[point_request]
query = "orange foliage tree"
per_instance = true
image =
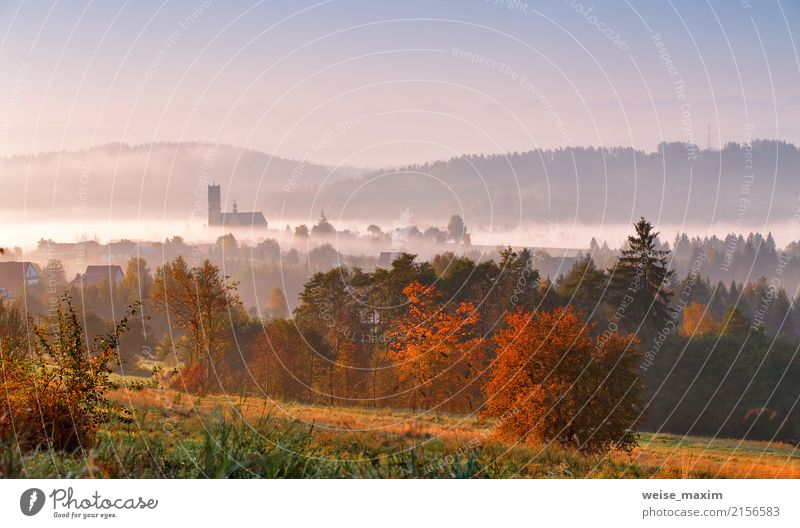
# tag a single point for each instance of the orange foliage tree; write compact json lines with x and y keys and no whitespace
{"x":698,"y":320}
{"x":436,"y":352}
{"x":54,"y":386}
{"x":201,"y":302}
{"x":552,"y":381}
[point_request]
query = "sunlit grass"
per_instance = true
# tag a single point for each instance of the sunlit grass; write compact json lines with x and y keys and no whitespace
{"x":176,"y":435}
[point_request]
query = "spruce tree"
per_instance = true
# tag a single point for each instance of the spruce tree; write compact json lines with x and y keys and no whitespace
{"x":640,"y":291}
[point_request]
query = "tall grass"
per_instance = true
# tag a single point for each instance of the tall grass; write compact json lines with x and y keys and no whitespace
{"x":245,"y":440}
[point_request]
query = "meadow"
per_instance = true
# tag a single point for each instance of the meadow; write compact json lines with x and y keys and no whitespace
{"x":170,"y":434}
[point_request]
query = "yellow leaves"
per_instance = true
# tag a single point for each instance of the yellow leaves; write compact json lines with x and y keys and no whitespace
{"x":698,"y":320}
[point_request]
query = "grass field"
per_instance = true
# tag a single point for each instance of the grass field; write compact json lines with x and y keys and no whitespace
{"x":174,"y":435}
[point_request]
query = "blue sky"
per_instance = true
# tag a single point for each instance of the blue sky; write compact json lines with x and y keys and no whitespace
{"x":376,"y":83}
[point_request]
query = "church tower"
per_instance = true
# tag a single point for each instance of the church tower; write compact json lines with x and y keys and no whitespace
{"x":214,"y":206}
{"x":237,"y":219}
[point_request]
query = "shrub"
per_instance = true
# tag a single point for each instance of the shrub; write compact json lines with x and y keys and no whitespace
{"x":54,"y":392}
{"x":13,"y":332}
{"x":552,"y":381}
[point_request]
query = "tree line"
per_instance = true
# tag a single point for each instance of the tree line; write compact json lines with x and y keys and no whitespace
{"x":443,"y":335}
{"x":584,"y":360}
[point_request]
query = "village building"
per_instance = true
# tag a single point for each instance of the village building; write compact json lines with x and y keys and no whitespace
{"x":97,"y":274}
{"x":14,"y":277}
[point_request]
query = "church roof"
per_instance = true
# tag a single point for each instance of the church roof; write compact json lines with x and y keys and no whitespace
{"x":243,"y":219}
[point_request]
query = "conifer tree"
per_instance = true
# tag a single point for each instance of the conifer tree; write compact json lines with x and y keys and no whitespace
{"x":640,"y":289}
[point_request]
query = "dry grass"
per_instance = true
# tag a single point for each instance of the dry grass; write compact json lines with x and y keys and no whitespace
{"x":678,"y":457}
{"x":663,"y":456}
{"x":327,"y":422}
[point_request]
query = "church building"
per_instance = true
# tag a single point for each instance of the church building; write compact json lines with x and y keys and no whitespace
{"x":234,"y":218}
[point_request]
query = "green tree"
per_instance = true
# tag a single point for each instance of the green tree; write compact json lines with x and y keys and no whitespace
{"x":640,"y":282}
{"x":332,"y":307}
{"x":301,"y":232}
{"x":386,"y":298}
{"x":323,"y":228}
{"x":227,"y":246}
{"x":456,"y":229}
{"x":517,"y":285}
{"x":583,"y":286}
{"x":734,"y":322}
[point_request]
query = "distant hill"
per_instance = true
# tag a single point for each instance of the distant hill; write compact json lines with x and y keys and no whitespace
{"x":158,"y":181}
{"x":744,"y":185}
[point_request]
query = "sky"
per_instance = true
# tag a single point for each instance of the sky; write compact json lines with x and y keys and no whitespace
{"x":375,"y":84}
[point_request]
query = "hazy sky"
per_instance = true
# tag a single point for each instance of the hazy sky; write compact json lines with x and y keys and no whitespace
{"x":377,"y":83}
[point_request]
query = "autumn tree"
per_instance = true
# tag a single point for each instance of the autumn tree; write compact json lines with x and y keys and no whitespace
{"x":140,"y":339}
{"x":552,"y":381}
{"x":137,"y":280}
{"x":56,"y":275}
{"x":13,"y":327}
{"x":436,"y":351}
{"x":280,"y":363}
{"x":277,"y":304}
{"x":698,"y":320}
{"x":197,"y":300}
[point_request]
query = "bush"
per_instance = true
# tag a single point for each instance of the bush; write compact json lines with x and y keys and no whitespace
{"x":553,"y":381}
{"x":54,"y":392}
